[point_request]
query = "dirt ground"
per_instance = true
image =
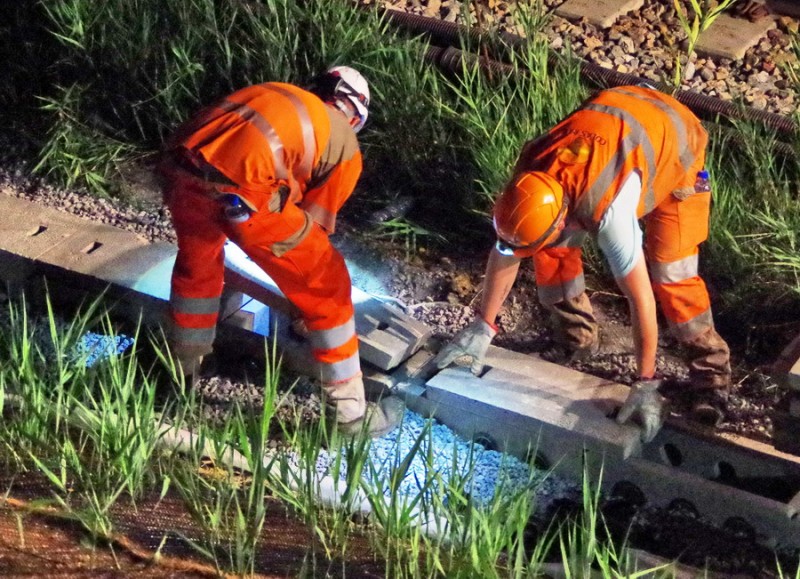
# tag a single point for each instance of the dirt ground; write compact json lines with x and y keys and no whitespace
{"x":152,"y":540}
{"x":440,"y":285}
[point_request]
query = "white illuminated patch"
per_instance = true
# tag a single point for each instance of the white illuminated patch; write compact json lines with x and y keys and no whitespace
{"x":238,"y":261}
{"x":549,"y":198}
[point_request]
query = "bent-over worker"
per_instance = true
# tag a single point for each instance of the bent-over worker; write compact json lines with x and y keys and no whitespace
{"x":269,"y":167}
{"x":626,"y":154}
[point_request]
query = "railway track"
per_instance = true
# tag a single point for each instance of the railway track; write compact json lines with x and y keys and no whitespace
{"x":522,"y":404}
{"x":737,"y":61}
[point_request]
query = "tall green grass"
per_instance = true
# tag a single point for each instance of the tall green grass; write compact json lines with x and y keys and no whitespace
{"x":99,"y":439}
{"x":751,"y":259}
{"x":126,"y":73}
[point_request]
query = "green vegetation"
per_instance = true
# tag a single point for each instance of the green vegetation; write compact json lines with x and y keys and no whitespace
{"x":102,"y":439}
{"x":116,"y":77}
{"x":704,"y":13}
{"x":127,"y":73}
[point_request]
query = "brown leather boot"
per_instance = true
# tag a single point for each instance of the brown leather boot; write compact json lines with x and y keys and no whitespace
{"x":709,"y":377}
{"x":379,"y":418}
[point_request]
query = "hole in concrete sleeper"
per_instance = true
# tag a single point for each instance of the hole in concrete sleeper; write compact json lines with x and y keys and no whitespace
{"x":92,"y":247}
{"x":629,"y":492}
{"x":38,"y":231}
{"x":672,"y":454}
{"x":685,"y":508}
{"x":740,"y":528}
{"x":485,"y":440}
{"x":725,"y":472}
{"x":539,"y":460}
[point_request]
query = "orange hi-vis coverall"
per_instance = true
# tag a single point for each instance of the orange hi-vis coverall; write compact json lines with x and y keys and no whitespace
{"x":293,"y":161}
{"x":591,"y":153}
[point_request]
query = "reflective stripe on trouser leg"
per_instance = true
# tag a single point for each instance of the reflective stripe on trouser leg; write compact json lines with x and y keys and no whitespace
{"x":337,"y":351}
{"x":559,"y":274}
{"x":197,"y":277}
{"x":686,"y":307}
{"x":314,"y":278}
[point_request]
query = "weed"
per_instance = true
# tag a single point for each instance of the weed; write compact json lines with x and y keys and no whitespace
{"x":704,"y":13}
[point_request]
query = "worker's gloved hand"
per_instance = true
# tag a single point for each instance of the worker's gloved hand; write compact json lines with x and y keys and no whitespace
{"x":645,"y":404}
{"x":472,"y":341}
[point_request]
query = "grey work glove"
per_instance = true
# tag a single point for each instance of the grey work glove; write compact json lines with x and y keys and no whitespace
{"x":647,"y":405}
{"x":472,"y":341}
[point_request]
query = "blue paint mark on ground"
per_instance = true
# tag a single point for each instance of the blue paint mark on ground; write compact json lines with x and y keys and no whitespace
{"x":94,"y":348}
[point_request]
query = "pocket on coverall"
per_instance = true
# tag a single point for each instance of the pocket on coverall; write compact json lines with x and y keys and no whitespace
{"x":693,"y":214}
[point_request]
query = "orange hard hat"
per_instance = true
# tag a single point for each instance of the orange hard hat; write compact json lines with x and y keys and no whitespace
{"x":528,"y":214}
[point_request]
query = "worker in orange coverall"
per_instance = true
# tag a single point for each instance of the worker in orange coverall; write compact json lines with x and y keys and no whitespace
{"x":626,"y":154}
{"x":269,"y":167}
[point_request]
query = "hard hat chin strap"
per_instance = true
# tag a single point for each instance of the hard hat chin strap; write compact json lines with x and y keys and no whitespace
{"x":342,"y":87}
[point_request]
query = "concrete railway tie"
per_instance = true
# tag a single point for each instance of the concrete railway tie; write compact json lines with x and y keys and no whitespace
{"x":521,"y":405}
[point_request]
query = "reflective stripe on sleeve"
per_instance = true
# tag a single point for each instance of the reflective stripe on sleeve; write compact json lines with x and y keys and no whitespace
{"x":675,"y":271}
{"x":325,"y":218}
{"x":194,"y":306}
{"x":552,"y":294}
{"x":333,"y":338}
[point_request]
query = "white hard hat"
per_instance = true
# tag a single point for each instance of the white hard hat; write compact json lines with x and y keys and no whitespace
{"x":351,"y":84}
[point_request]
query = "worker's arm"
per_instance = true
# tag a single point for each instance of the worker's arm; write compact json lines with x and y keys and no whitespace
{"x":501,"y":273}
{"x":620,"y":239}
{"x":644,"y":402}
{"x":473,"y":341}
{"x":327,"y":197}
{"x":641,"y":301}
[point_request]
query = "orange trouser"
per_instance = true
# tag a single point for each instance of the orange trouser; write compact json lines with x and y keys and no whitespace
{"x":675,"y":229}
{"x":312,"y":274}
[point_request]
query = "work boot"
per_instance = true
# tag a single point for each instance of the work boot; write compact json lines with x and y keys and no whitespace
{"x":346,"y":404}
{"x":708,"y":407}
{"x":575,"y":328}
{"x":379,"y":418}
{"x":709,"y":361}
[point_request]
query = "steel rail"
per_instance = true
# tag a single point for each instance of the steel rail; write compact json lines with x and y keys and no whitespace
{"x":450,"y":57}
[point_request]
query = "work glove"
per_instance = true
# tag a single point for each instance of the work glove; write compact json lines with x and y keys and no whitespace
{"x":472,"y":341}
{"x":647,"y":405}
